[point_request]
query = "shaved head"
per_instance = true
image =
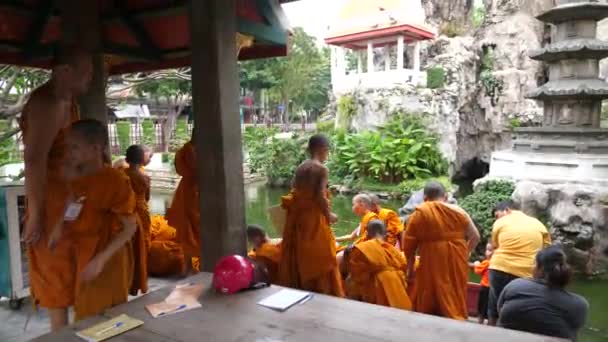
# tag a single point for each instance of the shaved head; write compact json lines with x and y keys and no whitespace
{"x":375,"y":199}
{"x":434,"y":191}
{"x":376,"y":229}
{"x":363,"y":199}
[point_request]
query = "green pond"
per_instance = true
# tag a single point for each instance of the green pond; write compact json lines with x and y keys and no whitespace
{"x":260,"y":197}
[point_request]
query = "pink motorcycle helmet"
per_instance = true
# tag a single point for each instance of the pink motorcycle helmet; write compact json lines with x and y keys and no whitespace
{"x":232,"y":274}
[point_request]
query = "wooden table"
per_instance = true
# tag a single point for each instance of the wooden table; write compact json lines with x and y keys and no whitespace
{"x":323,"y":318}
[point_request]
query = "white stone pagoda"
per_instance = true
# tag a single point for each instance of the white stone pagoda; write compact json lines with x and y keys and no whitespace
{"x":366,"y":27}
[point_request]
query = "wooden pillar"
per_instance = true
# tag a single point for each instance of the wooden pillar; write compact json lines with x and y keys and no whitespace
{"x":400,"y":50}
{"x":370,"y":57}
{"x":215,"y":99}
{"x":81,"y":24}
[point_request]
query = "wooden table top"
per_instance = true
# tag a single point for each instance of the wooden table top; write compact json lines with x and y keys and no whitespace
{"x":323,"y":318}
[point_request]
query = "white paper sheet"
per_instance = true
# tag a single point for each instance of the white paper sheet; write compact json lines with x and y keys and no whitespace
{"x":285,"y":299}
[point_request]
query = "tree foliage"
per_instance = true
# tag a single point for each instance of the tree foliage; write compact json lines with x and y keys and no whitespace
{"x":300,"y":81}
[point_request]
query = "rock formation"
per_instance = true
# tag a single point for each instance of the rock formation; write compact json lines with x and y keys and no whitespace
{"x":577,"y":217}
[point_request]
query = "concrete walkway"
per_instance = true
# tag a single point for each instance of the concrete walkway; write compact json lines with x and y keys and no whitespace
{"x":14,"y":324}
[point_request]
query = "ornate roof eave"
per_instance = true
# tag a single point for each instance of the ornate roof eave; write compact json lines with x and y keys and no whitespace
{"x":571,"y":49}
{"x":575,"y":11}
{"x":592,"y":89}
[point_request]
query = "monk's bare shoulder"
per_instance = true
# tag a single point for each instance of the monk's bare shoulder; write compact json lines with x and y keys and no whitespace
{"x":41,"y":97}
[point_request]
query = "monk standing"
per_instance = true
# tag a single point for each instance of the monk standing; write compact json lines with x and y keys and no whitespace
{"x":394,"y":226}
{"x":184,"y":212}
{"x":140,"y":183}
{"x":443,"y":235}
{"x":48,"y":113}
{"x":377,"y":270}
{"x":308,"y":257}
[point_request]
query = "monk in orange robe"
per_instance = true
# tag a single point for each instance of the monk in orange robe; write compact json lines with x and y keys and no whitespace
{"x":377,"y":270}
{"x":264,"y":252}
{"x":122,"y":163}
{"x":308,"y":249}
{"x":140,"y":183}
{"x":318,"y":150}
{"x":50,"y":110}
{"x":443,"y":235}
{"x":99,"y":221}
{"x":166,"y":256}
{"x":184,"y":212}
{"x":394,"y":226}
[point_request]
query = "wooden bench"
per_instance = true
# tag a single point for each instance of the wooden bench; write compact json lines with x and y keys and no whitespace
{"x":323,"y":318}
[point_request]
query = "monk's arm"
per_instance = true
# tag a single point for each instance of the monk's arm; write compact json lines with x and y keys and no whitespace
{"x":38,"y":142}
{"x":129,"y":226}
{"x":472,"y":235}
{"x":546,"y":238}
{"x":409,"y":243}
{"x":352,"y":236}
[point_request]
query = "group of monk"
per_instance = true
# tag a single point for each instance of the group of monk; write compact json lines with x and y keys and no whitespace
{"x":422,"y":267}
{"x":92,"y":242}
{"x":91,"y":239}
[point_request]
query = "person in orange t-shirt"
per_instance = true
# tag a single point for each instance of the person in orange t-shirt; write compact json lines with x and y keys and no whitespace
{"x":482,"y":268}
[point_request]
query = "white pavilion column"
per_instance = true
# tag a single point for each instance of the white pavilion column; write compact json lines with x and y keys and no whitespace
{"x":387,"y":58}
{"x":400,"y":50}
{"x":359,"y":62}
{"x":341,"y":61}
{"x":417,"y":56}
{"x":370,"y":56}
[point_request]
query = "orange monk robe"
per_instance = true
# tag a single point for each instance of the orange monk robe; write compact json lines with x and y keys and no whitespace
{"x":363,"y":226}
{"x":268,"y":254}
{"x":107,"y":195}
{"x":184,"y":213}
{"x":437,"y":232}
{"x":141,"y":239}
{"x":377,"y":274}
{"x":50,"y":271}
{"x":308,"y":251}
{"x":166,"y":257}
{"x":393,"y":223}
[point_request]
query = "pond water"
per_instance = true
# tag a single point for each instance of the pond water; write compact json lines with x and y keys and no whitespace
{"x":260,"y":197}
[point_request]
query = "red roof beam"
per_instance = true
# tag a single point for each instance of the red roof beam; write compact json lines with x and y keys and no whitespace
{"x":378,"y":33}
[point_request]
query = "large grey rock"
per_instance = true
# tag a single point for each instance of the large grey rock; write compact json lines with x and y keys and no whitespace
{"x":577,"y":218}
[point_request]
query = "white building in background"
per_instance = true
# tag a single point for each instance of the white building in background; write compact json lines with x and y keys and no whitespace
{"x":383,"y":37}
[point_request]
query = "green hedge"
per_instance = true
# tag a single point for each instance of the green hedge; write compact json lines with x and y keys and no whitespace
{"x":480,"y":205}
{"x":148,"y":133}
{"x":123,"y":131}
{"x":435,"y":77}
{"x":8,"y":147}
{"x":181,"y":135}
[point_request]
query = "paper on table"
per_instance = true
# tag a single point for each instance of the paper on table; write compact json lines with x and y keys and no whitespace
{"x":182,"y":298}
{"x":285,"y":299}
{"x":109,"y":329}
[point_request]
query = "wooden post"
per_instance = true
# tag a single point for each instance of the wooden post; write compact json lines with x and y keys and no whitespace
{"x":215,"y":99}
{"x":81,"y":24}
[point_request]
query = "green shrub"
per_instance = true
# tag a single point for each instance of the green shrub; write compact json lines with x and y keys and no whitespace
{"x":347,"y":110}
{"x":400,"y":150}
{"x":480,"y":205}
{"x":326,"y":127}
{"x":256,"y":141}
{"x":123,"y":130}
{"x":148,"y":133}
{"x":435,"y":78}
{"x":283,"y":157}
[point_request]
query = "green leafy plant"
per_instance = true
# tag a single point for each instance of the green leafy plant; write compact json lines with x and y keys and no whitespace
{"x":435,"y":78}
{"x":148,"y":133}
{"x":256,"y":145}
{"x":400,"y":150}
{"x":282,"y":158}
{"x":491,"y":84}
{"x":515,"y":123}
{"x":409,"y":186}
{"x":481,"y":203}
{"x":347,"y":110}
{"x":478,"y":16}
{"x":326,"y":127}
{"x":123,"y":130}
